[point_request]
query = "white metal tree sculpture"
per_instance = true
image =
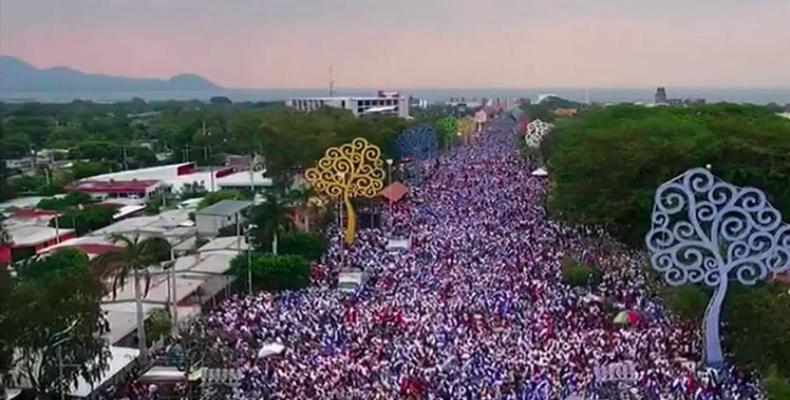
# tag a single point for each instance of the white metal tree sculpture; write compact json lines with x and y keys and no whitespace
{"x":536,"y":130}
{"x":705,"y":230}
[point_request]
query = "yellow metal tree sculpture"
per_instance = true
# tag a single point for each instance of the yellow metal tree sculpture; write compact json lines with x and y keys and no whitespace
{"x":467,"y":126}
{"x":351,"y":170}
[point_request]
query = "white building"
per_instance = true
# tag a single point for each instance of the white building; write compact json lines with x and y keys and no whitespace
{"x":177,"y":177}
{"x":219,"y":215}
{"x":391,"y":103}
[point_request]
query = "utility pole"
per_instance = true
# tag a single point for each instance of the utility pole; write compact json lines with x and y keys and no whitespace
{"x":173,"y":294}
{"x":125,"y":162}
{"x":331,"y":83}
{"x":207,"y":155}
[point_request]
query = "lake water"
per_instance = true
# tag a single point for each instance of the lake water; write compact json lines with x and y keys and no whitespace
{"x":779,"y":95}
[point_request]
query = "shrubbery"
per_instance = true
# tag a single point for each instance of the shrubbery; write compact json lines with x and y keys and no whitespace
{"x":273,"y":273}
{"x":577,"y":274}
{"x":88,"y":219}
{"x":63,"y":203}
{"x":688,"y":301}
{"x":308,"y":245}
{"x":758,"y":326}
{"x":158,"y":326}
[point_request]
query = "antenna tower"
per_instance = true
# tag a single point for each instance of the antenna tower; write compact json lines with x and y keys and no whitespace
{"x":331,"y":83}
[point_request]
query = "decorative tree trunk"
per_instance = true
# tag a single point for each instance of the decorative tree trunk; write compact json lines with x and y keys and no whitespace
{"x":138,"y":299}
{"x":274,"y":243}
{"x":714,"y":356}
{"x":351,"y":226}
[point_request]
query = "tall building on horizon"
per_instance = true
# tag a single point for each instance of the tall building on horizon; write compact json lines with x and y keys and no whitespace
{"x":385,"y":102}
{"x":661,"y":95}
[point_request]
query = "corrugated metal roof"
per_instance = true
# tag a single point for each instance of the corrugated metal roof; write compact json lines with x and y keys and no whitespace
{"x":225,"y":208}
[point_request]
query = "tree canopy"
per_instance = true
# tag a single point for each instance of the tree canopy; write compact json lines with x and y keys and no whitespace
{"x":273,"y":273}
{"x":607,"y":163}
{"x":53,"y":294}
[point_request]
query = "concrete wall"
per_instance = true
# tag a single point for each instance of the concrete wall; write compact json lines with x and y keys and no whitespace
{"x":209,"y":225}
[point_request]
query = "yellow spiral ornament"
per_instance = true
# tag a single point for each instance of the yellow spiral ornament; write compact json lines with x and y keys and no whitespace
{"x":350,"y":170}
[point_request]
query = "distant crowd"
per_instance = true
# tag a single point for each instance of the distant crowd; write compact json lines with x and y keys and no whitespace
{"x":475,"y":310}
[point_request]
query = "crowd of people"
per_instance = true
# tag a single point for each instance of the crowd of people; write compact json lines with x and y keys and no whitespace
{"x":476,"y":309}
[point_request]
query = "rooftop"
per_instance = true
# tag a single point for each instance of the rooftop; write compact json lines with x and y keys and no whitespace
{"x":96,"y":186}
{"x":234,"y":243}
{"x":225,"y":208}
{"x":167,"y":223}
{"x":21,"y":202}
{"x":34,"y":213}
{"x":31,"y":235}
{"x":242,"y":179}
{"x":158,"y":172}
{"x":336,"y":98}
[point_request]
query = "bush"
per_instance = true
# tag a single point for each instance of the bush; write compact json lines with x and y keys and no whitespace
{"x":62,"y":204}
{"x":84,"y":169}
{"x":88,"y":219}
{"x":273,"y":273}
{"x":49,"y":190}
{"x":688,"y":301}
{"x":758,"y":326}
{"x":576,"y":274}
{"x":307,"y":245}
{"x":776,"y":385}
{"x":158,"y":326}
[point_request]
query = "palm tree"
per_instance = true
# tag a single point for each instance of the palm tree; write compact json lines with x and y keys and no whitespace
{"x":135,"y":258}
{"x":271,"y":217}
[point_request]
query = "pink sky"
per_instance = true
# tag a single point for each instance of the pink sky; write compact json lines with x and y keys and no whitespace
{"x":409,"y":43}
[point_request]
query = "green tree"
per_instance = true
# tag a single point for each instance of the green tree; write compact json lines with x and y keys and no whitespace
{"x":86,"y":169}
{"x":607,"y":163}
{"x":306,"y":244}
{"x":758,"y":326}
{"x":57,"y":294}
{"x":134,"y":260}
{"x":72,"y":199}
{"x":273,"y":273}
{"x":688,"y":301}
{"x":271,"y":218}
{"x":776,"y":385}
{"x":86,"y":219}
{"x":447,"y":129}
{"x":158,"y":326}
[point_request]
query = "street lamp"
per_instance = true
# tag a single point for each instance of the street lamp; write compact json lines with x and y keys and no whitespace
{"x":247,"y":232}
{"x":389,"y":182}
{"x":389,"y":171}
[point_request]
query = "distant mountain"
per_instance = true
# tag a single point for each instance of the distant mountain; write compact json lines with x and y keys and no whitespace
{"x":16,"y":75}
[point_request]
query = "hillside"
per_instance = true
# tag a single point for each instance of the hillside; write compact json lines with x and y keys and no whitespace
{"x":16,"y":75}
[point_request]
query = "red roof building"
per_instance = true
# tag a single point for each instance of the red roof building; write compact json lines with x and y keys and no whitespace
{"x":136,"y":189}
{"x":31,"y":213}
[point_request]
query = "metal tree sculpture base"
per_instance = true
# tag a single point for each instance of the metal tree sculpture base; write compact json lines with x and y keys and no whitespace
{"x":707,"y":231}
